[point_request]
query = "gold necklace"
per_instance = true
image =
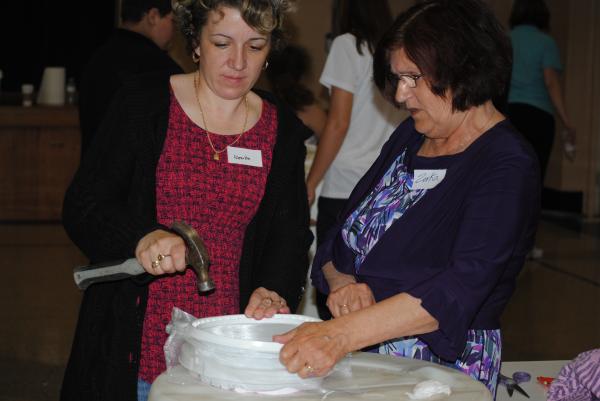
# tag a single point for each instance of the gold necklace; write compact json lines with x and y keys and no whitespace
{"x":217,"y":152}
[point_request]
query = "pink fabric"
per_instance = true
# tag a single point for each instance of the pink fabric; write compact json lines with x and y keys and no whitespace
{"x":578,"y":380}
{"x":216,"y":198}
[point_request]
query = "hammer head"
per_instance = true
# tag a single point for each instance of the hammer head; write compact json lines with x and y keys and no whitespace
{"x":197,"y":256}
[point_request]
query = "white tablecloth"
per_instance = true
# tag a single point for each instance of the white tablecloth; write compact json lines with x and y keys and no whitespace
{"x":370,"y":377}
{"x":536,"y":391}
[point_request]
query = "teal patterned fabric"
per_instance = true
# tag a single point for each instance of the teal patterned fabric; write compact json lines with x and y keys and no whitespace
{"x":480,"y":359}
{"x":386,"y":203}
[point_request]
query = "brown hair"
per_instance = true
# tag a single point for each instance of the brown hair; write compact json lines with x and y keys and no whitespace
{"x":265,"y":16}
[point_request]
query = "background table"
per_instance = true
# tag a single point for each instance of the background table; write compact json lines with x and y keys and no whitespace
{"x":536,"y":391}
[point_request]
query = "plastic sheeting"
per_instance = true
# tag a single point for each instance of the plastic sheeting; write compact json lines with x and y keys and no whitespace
{"x":367,"y":377}
{"x":234,"y":352}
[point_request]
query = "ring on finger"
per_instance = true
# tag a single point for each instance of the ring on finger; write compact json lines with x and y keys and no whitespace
{"x":309,"y":368}
{"x":155,"y":264}
{"x":267,"y":301}
{"x":160,"y":257}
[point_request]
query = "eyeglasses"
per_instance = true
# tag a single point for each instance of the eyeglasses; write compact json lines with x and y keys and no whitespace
{"x":410,"y":80}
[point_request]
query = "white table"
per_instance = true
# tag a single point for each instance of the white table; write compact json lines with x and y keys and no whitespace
{"x":369,"y":377}
{"x":536,"y":391}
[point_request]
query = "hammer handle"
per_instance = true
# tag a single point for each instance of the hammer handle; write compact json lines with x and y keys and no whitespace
{"x":112,"y":271}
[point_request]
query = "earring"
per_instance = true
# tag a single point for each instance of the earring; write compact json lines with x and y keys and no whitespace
{"x":266,"y":65}
{"x":195,"y":57}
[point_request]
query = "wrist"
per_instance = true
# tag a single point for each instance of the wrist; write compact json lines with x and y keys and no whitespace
{"x":311,"y":184}
{"x":340,"y":332}
{"x":339,"y":280}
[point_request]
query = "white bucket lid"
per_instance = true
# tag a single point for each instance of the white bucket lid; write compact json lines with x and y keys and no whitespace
{"x":239,"y":331}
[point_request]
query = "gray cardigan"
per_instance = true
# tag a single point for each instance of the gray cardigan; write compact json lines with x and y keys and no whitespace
{"x":111,"y":205}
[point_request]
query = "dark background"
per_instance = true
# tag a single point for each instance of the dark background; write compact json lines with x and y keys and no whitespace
{"x":39,"y":33}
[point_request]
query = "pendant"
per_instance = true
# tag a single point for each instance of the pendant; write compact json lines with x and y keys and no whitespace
{"x":216,"y":156}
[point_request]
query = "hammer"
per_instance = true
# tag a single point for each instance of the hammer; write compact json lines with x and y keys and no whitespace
{"x":196,"y":257}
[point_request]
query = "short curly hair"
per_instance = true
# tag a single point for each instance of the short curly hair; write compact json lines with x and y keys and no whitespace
{"x":459,"y":46}
{"x":265,"y":16}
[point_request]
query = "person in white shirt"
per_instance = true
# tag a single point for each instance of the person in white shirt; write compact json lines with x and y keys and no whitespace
{"x":359,"y":119}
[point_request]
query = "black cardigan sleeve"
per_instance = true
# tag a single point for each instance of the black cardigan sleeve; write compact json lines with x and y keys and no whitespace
{"x":283,"y":235}
{"x":108,"y":207}
{"x":283,"y":264}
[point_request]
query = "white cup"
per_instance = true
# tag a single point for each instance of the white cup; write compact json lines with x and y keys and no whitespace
{"x":52,"y":89}
{"x":27,"y":95}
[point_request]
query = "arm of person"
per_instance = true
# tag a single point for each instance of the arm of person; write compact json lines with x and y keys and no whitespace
{"x":96,"y":213}
{"x":496,"y":230}
{"x":336,"y":127}
{"x":346,"y":295}
{"x":314,"y":117}
{"x":496,"y":226}
{"x":322,"y":345}
{"x":283,"y":260}
{"x":552,"y":82}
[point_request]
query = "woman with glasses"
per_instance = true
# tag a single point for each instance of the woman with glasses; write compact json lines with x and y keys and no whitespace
{"x":426,"y":252}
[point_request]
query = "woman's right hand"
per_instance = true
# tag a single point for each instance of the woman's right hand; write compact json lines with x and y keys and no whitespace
{"x":161,"y":252}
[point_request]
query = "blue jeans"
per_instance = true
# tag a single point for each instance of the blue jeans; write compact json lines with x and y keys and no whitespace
{"x":143,"y":390}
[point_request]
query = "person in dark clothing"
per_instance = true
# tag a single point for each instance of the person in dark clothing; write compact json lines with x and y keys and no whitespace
{"x":427,"y":250}
{"x":206,"y":149}
{"x":287,"y":69}
{"x":138,"y":46}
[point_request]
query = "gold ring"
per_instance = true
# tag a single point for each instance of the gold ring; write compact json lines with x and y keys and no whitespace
{"x":156,"y":264}
{"x":309,"y":368}
{"x":160,"y":256}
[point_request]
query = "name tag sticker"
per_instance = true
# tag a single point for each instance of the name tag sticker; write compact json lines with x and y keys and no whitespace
{"x":427,"y":179}
{"x":248,"y":157}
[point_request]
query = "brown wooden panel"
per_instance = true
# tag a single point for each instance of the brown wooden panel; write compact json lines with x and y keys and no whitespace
{"x":58,"y":158}
{"x":18,"y":177}
{"x":39,"y":153}
{"x":39,"y":116}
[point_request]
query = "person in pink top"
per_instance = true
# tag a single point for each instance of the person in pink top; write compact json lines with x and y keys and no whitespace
{"x":206,"y":149}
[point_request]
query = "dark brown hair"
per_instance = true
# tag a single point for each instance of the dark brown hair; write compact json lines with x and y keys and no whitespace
{"x":459,"y":46}
{"x":367,"y":20}
{"x":134,"y":10}
{"x":530,"y":12}
{"x":287,"y":68}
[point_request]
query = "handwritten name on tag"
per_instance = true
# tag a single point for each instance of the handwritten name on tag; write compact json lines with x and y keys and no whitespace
{"x":248,"y":157}
{"x":427,"y":179}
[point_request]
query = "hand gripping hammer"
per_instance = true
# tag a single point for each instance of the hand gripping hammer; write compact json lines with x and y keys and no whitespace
{"x":196,"y":257}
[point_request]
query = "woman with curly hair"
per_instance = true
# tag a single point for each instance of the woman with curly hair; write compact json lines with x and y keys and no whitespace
{"x":206,"y":149}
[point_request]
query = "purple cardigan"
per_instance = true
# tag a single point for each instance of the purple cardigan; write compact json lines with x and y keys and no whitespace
{"x":461,"y":247}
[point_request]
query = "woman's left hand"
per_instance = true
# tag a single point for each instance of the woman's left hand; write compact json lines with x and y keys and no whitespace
{"x":312,"y":349}
{"x":350,"y":298}
{"x":264,"y":303}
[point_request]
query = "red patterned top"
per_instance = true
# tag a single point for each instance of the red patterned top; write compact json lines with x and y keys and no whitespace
{"x":218,"y":199}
